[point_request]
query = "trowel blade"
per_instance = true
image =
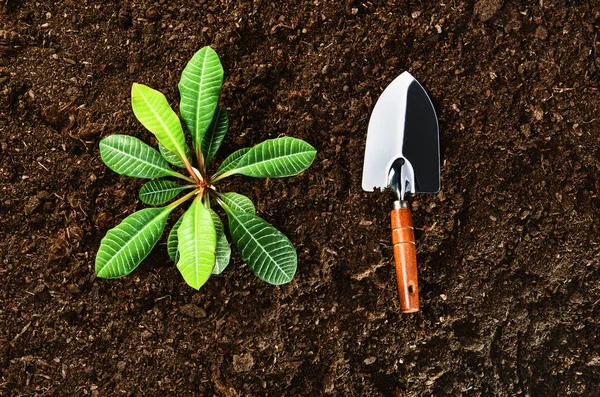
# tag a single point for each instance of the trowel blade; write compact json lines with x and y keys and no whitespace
{"x":403,"y":126}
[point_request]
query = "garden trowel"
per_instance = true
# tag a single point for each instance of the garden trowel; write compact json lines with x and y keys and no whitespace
{"x":403,"y":153}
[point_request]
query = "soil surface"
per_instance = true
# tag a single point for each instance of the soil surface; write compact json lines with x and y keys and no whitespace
{"x":508,"y":251}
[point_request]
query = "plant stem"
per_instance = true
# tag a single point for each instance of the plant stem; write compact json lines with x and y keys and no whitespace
{"x":188,"y":166}
{"x":217,"y":177}
{"x":175,"y":204}
{"x":220,"y":201}
{"x":207,"y":199}
{"x":185,"y":178}
{"x":200,"y":159}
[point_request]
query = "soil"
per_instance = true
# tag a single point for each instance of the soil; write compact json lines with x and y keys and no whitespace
{"x":508,"y":251}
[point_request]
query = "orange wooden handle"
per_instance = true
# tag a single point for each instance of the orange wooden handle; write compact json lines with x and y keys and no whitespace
{"x":405,"y":257}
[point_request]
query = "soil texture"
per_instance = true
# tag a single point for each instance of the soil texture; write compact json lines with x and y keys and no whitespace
{"x":508,"y":251}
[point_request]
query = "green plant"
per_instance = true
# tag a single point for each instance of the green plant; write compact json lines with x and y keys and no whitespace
{"x":197,"y":242}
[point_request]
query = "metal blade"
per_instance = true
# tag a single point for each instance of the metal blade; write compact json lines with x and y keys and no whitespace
{"x":403,"y":148}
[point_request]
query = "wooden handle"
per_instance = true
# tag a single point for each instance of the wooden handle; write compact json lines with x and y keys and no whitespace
{"x":405,"y":256}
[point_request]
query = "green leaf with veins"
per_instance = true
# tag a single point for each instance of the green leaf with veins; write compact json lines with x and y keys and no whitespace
{"x":222,"y":254}
{"x":197,"y":244}
{"x":153,"y":111}
{"x":237,"y":202}
{"x":199,"y":88}
{"x":223,"y":250}
{"x":172,"y":158}
{"x":232,"y":161}
{"x":173,"y":242}
{"x":277,"y":157}
{"x":215,"y":134}
{"x":267,"y":251}
{"x":160,"y":191}
{"x":126,"y":245}
{"x":127,"y":155}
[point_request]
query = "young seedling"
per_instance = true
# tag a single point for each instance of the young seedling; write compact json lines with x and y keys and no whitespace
{"x":197,"y":242}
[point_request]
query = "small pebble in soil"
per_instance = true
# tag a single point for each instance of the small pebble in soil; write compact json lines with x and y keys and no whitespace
{"x":31,"y":205}
{"x":192,"y":311}
{"x":43,"y":195}
{"x":541,"y":33}
{"x":486,"y":9}
{"x":370,"y":360}
{"x":121,"y":365}
{"x":243,"y":362}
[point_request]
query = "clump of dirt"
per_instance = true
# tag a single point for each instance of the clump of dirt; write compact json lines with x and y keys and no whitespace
{"x":508,"y":250}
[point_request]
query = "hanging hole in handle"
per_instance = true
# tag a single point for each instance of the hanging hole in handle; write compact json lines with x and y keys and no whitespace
{"x":411,"y":288}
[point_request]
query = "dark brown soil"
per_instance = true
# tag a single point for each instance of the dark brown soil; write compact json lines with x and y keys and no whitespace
{"x":508,"y":250}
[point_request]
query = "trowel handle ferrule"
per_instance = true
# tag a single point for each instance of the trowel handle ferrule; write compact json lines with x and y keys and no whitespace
{"x":405,"y":257}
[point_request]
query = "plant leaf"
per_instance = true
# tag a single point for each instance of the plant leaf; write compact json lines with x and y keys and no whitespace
{"x":223,"y":250}
{"x":277,"y":157}
{"x":232,"y":161}
{"x":127,"y":155}
{"x":173,"y":158}
{"x":267,"y":251}
{"x":200,"y":86}
{"x":160,"y":191}
{"x":126,"y":245}
{"x":173,"y":242}
{"x":197,"y":244}
{"x":215,"y":134}
{"x":238,"y":202}
{"x":153,"y":111}
{"x":222,"y":254}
